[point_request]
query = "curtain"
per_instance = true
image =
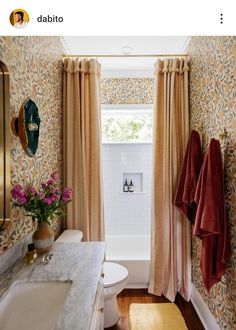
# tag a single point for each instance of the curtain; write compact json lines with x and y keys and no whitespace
{"x":170,"y":270}
{"x":82,"y":147}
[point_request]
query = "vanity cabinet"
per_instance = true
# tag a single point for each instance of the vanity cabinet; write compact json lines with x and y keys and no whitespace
{"x":97,"y":321}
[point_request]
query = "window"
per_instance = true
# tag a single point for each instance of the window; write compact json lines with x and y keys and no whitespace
{"x":127,"y":123}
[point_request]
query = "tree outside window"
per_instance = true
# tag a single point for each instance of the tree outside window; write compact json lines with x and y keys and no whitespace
{"x":130,"y":126}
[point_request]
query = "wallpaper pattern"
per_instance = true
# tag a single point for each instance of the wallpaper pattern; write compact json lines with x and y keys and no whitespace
{"x":213,"y":108}
{"x":127,"y":90}
{"x":35,"y":71}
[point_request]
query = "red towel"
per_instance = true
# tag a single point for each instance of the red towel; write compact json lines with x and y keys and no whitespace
{"x":184,"y":198}
{"x":210,"y":221}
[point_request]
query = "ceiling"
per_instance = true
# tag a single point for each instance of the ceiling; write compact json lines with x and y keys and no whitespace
{"x":138,"y":45}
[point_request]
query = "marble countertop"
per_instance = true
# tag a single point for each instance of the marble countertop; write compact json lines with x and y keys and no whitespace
{"x":76,"y":262}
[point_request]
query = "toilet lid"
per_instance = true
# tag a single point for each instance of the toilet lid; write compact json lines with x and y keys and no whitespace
{"x":113,"y":273}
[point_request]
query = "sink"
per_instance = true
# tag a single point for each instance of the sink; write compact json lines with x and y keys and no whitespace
{"x":32,"y":305}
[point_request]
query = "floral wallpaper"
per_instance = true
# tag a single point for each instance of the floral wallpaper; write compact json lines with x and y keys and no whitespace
{"x":127,"y":90}
{"x":35,"y":67}
{"x":213,"y":108}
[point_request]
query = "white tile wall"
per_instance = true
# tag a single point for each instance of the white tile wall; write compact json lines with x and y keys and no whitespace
{"x":126,"y":213}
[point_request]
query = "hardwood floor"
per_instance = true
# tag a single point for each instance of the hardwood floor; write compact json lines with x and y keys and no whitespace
{"x":129,"y":296}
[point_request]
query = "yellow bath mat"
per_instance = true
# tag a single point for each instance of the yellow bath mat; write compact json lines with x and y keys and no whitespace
{"x":164,"y":316}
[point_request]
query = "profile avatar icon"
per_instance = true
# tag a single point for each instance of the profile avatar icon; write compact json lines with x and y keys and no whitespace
{"x":19,"y":18}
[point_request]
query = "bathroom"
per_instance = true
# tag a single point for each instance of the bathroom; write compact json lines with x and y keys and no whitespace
{"x":128,"y":90}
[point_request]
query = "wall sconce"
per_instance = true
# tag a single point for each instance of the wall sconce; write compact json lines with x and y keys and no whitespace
{"x":26,"y":126}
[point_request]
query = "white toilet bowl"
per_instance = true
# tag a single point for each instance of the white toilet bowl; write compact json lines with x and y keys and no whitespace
{"x":115,"y":279}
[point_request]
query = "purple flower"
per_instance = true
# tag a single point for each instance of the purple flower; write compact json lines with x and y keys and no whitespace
{"x":18,"y":187}
{"x":66,"y":196}
{"x":68,"y":190}
{"x":32,"y":190}
{"x":50,"y":182}
{"x":54,"y":190}
{"x":18,"y":194}
{"x":54,"y":197}
{"x":32,"y":199}
{"x":65,"y":199}
{"x":22,"y":200}
{"x":48,"y":200}
{"x":54,"y":176}
{"x":16,"y":191}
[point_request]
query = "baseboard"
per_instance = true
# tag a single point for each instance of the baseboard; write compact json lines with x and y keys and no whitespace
{"x":204,"y":313}
{"x":136,"y":286}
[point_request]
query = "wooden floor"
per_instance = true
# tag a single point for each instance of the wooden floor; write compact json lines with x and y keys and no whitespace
{"x":129,"y":296}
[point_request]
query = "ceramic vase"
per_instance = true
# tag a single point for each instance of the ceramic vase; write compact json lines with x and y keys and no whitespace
{"x":43,"y":237}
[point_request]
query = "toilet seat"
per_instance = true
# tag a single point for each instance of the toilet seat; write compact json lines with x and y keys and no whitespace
{"x":113,"y":274}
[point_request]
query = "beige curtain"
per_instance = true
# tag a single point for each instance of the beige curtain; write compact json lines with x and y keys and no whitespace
{"x":171,"y":243}
{"x":81,"y":146}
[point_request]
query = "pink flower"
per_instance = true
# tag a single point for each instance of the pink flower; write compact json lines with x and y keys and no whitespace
{"x":18,"y":187}
{"x":68,"y":190}
{"x":66,"y":196}
{"x":50,"y":182}
{"x":48,"y":200}
{"x":18,"y":194}
{"x":54,"y":176}
{"x":22,"y":200}
{"x":32,"y":190}
{"x":54,"y":190}
{"x":54,"y":197}
{"x":16,"y":191}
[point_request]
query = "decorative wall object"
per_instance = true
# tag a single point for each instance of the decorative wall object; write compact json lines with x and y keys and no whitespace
{"x":127,"y":90}
{"x":26,"y":126}
{"x":35,"y":66}
{"x":213,"y":108}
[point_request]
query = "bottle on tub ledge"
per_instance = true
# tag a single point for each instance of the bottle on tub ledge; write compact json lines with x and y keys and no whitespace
{"x":125,"y":186}
{"x":131,"y":186}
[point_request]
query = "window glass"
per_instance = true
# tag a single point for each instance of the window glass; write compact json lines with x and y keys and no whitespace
{"x":127,"y":125}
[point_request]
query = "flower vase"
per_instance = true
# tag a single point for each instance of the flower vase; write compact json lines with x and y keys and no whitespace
{"x":43,"y":237}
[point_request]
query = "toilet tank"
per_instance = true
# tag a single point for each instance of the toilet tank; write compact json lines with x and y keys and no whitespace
{"x":70,"y":236}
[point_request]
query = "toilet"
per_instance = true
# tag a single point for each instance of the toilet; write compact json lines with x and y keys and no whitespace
{"x":70,"y":236}
{"x":115,"y":280}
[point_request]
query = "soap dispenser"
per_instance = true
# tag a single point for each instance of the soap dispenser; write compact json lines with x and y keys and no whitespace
{"x":126,"y":186}
{"x":31,"y":254}
{"x":131,"y":186}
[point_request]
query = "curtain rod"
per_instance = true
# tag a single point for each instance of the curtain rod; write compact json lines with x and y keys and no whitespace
{"x":123,"y":55}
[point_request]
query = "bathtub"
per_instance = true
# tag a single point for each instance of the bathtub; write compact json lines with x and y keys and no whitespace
{"x":133,"y":252}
